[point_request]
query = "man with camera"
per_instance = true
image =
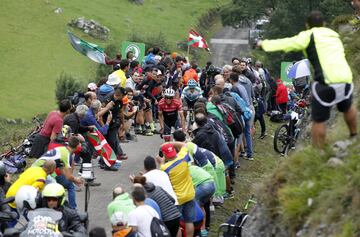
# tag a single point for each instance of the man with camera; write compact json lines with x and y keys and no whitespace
{"x":64,"y":159}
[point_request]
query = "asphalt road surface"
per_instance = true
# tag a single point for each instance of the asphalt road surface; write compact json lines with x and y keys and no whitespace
{"x":101,"y":196}
{"x":227,"y":43}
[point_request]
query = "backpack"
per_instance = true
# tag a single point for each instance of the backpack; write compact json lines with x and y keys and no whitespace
{"x":158,"y":228}
{"x":276,"y":116}
{"x":231,"y":118}
{"x":247,"y":114}
{"x":234,"y":225}
{"x":15,"y":164}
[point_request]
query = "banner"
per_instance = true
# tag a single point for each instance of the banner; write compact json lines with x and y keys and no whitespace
{"x":138,"y":50}
{"x":92,"y":51}
{"x":285,"y":67}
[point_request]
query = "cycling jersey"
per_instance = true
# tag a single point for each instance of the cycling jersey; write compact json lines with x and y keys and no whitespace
{"x":170,"y":111}
{"x":61,"y":156}
{"x":191,"y":96}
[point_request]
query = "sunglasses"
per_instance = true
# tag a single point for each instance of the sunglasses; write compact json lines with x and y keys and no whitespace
{"x":169,"y":97}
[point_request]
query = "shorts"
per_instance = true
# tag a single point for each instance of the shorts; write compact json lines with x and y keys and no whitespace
{"x":204,"y":192}
{"x":324,"y":97}
{"x":168,"y":126}
{"x":187,"y":104}
{"x":187,"y":211}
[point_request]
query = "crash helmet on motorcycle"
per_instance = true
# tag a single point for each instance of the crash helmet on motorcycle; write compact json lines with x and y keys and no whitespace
{"x":27,"y":197}
{"x":192,"y":83}
{"x":2,"y":169}
{"x":54,"y":190}
{"x":169,"y":92}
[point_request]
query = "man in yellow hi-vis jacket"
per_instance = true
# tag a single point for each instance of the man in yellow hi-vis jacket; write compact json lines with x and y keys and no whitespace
{"x":332,"y":75}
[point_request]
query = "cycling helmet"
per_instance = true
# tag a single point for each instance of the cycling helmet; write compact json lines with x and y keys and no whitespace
{"x":54,"y":190}
{"x":169,"y":92}
{"x":27,"y":197}
{"x":192,"y":83}
{"x":2,"y":169}
{"x":66,"y":131}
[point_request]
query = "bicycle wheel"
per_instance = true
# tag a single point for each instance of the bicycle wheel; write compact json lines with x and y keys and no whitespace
{"x":281,"y":138}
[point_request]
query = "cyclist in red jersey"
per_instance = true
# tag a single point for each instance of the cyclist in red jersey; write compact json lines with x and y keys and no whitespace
{"x":169,"y":111}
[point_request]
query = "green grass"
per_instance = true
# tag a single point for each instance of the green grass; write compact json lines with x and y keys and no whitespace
{"x":250,"y":174}
{"x":35,"y":48}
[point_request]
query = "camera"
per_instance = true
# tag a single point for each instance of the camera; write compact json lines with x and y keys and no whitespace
{"x":87,"y":172}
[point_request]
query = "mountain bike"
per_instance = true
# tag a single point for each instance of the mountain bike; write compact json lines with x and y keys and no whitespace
{"x":287,"y":134}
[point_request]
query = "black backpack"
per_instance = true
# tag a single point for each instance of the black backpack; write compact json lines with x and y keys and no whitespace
{"x":231,"y":118}
{"x":234,"y":225}
{"x":158,"y":228}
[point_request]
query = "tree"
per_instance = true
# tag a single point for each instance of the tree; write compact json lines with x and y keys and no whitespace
{"x":286,"y":18}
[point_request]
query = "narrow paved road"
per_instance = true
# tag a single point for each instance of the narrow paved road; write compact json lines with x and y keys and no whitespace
{"x":102,"y":195}
{"x":227,"y":43}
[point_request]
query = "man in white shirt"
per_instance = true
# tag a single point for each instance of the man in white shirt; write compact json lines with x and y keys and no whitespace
{"x":140,"y":218}
{"x":158,"y":177}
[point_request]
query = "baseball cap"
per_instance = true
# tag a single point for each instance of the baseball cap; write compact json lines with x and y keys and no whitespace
{"x":168,"y":150}
{"x":113,"y":79}
{"x":118,"y":219}
{"x":92,"y":86}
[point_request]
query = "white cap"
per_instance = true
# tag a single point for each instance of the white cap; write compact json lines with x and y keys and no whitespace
{"x":92,"y":86}
{"x":113,"y":79}
{"x":118,"y":218}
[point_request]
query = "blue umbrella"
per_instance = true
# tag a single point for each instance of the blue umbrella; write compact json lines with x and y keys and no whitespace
{"x":299,"y":69}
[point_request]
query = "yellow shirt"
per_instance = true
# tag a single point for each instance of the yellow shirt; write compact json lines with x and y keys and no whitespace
{"x":121,"y":74}
{"x":179,"y":174}
{"x":34,"y":176}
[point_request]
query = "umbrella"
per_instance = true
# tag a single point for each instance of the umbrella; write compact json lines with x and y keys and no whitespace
{"x":299,"y":69}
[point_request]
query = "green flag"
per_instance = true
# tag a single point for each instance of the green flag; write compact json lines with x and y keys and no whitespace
{"x":285,"y":67}
{"x":92,"y":51}
{"x":138,"y":50}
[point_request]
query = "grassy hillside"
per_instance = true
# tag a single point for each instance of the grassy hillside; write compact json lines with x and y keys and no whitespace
{"x":35,"y":49}
{"x":316,"y":193}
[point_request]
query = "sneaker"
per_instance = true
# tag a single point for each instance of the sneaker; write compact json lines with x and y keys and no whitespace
{"x":122,"y":157}
{"x":228,"y":196}
{"x":242,"y":154}
{"x":218,"y":201}
{"x":204,"y":233}
{"x":138,"y":130}
{"x":237,"y":165}
{"x":152,"y":127}
{"x":249,"y":158}
{"x":262,"y":136}
{"x":111,"y":168}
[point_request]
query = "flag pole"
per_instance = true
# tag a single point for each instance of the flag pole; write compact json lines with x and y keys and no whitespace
{"x":188,"y":51}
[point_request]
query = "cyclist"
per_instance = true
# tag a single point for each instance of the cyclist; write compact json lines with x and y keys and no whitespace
{"x":169,"y":110}
{"x":53,"y":197}
{"x":189,"y":96}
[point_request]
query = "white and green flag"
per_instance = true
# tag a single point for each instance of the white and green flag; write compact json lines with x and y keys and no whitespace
{"x":92,"y":51}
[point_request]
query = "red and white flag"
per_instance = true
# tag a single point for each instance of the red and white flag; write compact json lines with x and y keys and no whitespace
{"x":196,"y":40}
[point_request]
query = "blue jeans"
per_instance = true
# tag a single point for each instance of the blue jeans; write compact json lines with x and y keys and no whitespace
{"x":70,"y":187}
{"x":188,"y":210}
{"x":249,"y":146}
{"x":204,"y":192}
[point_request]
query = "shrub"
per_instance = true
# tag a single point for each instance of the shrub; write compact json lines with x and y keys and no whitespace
{"x":151,"y":40}
{"x":67,"y":85}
